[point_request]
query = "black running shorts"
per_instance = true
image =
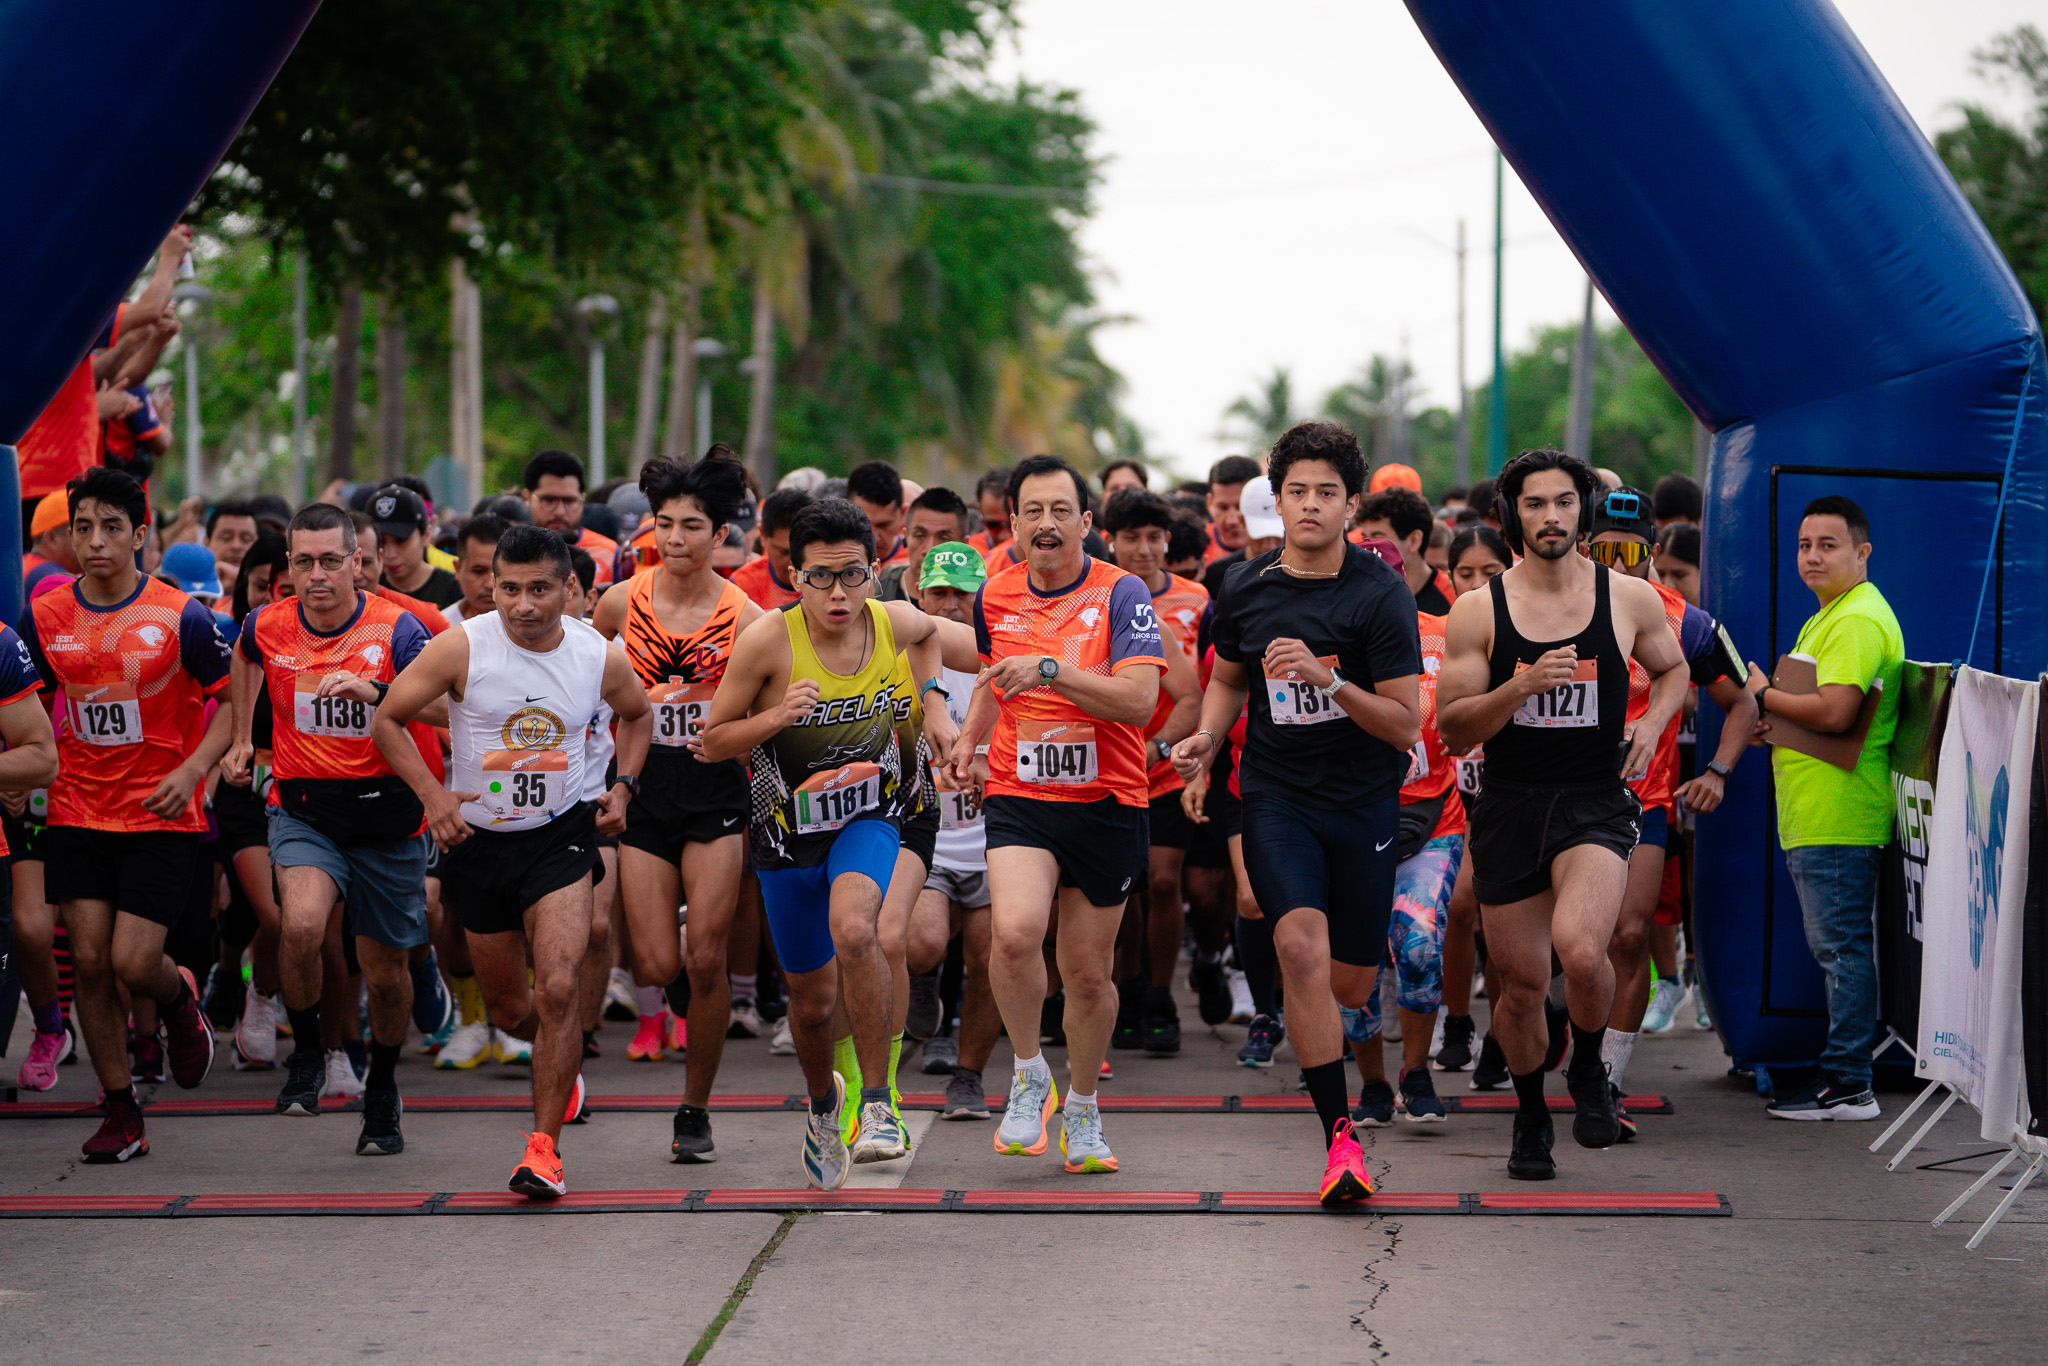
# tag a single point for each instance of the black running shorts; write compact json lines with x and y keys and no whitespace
{"x":1102,"y":847}
{"x":682,"y":801}
{"x":490,"y":878}
{"x":921,"y":835}
{"x":146,"y":873}
{"x":1515,"y":831}
{"x":1339,"y":860}
{"x":1171,"y":828}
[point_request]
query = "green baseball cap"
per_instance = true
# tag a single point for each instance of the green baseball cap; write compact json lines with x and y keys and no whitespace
{"x":952,"y":565}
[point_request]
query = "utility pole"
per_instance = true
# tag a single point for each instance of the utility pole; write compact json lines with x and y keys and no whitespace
{"x":1464,"y":433}
{"x":597,"y":310}
{"x":1497,"y":417}
{"x":647,"y":399}
{"x":466,"y":381}
{"x":197,"y":296}
{"x":297,"y":489}
{"x":1578,"y":432}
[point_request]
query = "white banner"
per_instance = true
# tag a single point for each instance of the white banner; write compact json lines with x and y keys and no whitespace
{"x":1976,"y":884}
{"x":2005,"y":1111}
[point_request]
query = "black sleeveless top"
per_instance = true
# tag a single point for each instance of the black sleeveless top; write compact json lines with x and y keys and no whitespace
{"x":1569,"y":736}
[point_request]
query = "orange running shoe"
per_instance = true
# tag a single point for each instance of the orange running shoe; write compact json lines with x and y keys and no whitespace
{"x":579,"y":1103}
{"x":678,"y":1034}
{"x":1107,"y":1073}
{"x":646,"y":1045}
{"x":1345,"y":1179}
{"x":539,"y":1174}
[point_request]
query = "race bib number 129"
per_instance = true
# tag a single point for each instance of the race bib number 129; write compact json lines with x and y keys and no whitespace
{"x":105,"y":713}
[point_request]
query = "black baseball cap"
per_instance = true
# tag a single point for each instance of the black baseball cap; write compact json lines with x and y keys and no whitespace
{"x":398,"y":512}
{"x":1625,"y":510}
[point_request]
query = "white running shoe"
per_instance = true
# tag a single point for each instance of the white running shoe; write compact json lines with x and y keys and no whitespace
{"x":514,"y":1052}
{"x":1667,"y":998}
{"x":256,"y":1032}
{"x":746,"y":1022}
{"x":619,"y":1002}
{"x":826,"y":1161}
{"x":881,"y":1134}
{"x":342,"y":1083}
{"x":1028,"y":1118}
{"x":783,"y":1045}
{"x":1436,"y":1035}
{"x":469,"y":1046}
{"x":1241,"y":1011}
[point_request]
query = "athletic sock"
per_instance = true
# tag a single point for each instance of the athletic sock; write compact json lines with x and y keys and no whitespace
{"x":742,"y":987}
{"x":647,"y":1000}
{"x":1529,"y":1094}
{"x":874,"y":1095}
{"x":1260,"y":964}
{"x":895,"y":1059}
{"x":121,"y":1095}
{"x":822,"y":1105}
{"x":468,"y":996}
{"x":1327,"y":1090}
{"x":1586,"y":1046}
{"x":1035,"y":1063}
{"x":846,"y":1063}
{"x":1076,"y":1102}
{"x":383,"y":1067}
{"x":1619,"y":1047}
{"x":305,"y":1027}
{"x":677,"y":994}
{"x":49,"y":1017}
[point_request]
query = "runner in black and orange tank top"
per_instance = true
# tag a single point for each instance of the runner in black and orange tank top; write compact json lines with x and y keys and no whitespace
{"x":686,"y":826}
{"x":1536,"y":668}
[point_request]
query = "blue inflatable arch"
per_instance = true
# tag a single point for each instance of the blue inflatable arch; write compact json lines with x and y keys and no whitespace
{"x":1762,"y":214}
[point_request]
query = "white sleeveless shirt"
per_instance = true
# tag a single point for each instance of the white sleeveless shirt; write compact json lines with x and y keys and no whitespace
{"x":520,"y":735}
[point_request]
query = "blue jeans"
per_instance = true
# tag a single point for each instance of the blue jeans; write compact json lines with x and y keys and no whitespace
{"x":1838,"y":897}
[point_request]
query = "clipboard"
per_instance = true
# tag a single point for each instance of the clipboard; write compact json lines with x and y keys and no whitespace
{"x":1795,"y":674}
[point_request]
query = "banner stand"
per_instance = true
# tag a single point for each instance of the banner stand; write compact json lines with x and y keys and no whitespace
{"x":1921,"y":1132}
{"x":2011,"y":1197}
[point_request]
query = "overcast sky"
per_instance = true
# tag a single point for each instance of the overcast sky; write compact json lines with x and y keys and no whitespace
{"x":1285,"y":180}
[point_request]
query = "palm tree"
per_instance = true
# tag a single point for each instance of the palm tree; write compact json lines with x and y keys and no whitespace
{"x":1262,"y":417}
{"x":1378,"y":407}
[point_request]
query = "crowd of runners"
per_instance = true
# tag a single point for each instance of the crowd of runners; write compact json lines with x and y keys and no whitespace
{"x":879,"y":772}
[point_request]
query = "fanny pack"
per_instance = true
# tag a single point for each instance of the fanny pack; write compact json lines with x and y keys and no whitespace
{"x":1418,"y":819}
{"x":354,"y":810}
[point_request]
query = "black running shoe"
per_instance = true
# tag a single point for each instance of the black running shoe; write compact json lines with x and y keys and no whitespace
{"x":1375,"y":1108}
{"x":1529,"y":1159}
{"x":1594,"y":1126}
{"x":1260,"y":1040}
{"x":1211,"y":988}
{"x":1622,"y":1117}
{"x":305,"y":1073}
{"x":1456,"y":1053}
{"x":1491,"y":1074}
{"x":922,"y":1018}
{"x":380,"y":1136}
{"x":1161,"y":1023}
{"x":692,"y":1141}
{"x":1052,"y":1021}
{"x":1129,"y":1033}
{"x":1559,"y":1021}
{"x":1419,"y":1100}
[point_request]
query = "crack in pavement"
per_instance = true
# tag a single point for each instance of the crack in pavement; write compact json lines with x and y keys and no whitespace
{"x":1372,"y":1272}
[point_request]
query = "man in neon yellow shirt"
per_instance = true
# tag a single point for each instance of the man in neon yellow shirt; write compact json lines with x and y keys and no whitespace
{"x":1834,"y":825}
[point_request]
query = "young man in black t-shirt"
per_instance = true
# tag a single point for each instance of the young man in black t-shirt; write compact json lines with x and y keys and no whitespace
{"x":1321,"y":634}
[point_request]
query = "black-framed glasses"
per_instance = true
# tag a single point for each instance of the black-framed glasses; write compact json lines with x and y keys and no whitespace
{"x":333,"y":564}
{"x":822,"y":579}
{"x":1627,"y":554}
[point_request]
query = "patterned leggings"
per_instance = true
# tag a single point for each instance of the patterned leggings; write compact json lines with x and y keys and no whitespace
{"x":1415,"y":935}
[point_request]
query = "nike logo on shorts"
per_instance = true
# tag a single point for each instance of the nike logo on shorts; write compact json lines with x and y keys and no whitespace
{"x":731,"y":821}
{"x":1381,"y":847}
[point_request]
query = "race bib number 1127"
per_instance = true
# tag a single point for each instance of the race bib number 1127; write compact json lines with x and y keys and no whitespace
{"x":1573,"y":704}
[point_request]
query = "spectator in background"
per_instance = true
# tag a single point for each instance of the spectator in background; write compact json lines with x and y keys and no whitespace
{"x":230,"y":531}
{"x":132,"y":442}
{"x":273,"y":513}
{"x":1185,"y":541}
{"x":1438,"y":551}
{"x":1833,"y":825}
{"x":476,"y":546}
{"x":190,"y":568}
{"x":1676,"y":498}
{"x":936,"y":516}
{"x":1453,"y":498}
{"x":1257,"y":513}
{"x":989,"y":494}
{"x":1399,"y":514}
{"x":631,"y":506}
{"x":807,"y":479}
{"x":877,"y":490}
{"x":49,"y":541}
{"x":402,"y":530}
{"x":1484,"y":501}
{"x":1395,"y":476}
{"x":1678,"y":560}
{"x":1608,"y":478}
{"x":1124,"y":474}
{"x":1478,"y":553}
{"x":554,"y":495}
{"x":768,"y":580}
{"x":509,"y":506}
{"x":1227,"y":480}
{"x":436,"y":556}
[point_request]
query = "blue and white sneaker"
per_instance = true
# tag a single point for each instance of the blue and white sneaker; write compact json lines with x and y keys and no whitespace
{"x":432,"y":1006}
{"x":1028,"y":1117}
{"x":881,"y":1134}
{"x":1666,"y":998}
{"x":826,"y":1161}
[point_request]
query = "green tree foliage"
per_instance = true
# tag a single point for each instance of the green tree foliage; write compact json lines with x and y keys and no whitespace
{"x":2004,"y":169}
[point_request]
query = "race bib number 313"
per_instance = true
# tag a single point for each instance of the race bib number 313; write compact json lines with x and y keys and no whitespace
{"x":1062,"y":754}
{"x":1573,"y":704}
{"x":679,"y":710}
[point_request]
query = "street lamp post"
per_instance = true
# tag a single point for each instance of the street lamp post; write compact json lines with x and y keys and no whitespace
{"x":197,"y":296}
{"x":705,"y":348}
{"x":596,"y":310}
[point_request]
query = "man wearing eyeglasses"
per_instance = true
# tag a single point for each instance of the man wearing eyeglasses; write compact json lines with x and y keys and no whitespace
{"x":821,"y":695}
{"x":1622,"y":539}
{"x":554,"y":491}
{"x":1537,"y":670}
{"x":343,"y":825}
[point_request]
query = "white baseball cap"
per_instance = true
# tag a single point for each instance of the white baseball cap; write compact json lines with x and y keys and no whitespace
{"x":1260,"y":511}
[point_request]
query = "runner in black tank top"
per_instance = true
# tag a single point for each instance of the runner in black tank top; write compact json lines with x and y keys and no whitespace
{"x":1551,"y":831}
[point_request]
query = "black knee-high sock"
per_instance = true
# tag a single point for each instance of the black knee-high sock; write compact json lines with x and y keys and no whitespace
{"x":1260,"y":964}
{"x":383,"y":1066}
{"x":1326,"y":1089}
{"x":1586,"y":1049}
{"x":305,"y":1028}
{"x":1529,"y":1094}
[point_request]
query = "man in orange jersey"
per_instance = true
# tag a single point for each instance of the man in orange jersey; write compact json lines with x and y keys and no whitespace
{"x":1071,"y":659}
{"x":136,"y":661}
{"x":343,"y":826}
{"x":1139,"y":525}
{"x":554,"y":491}
{"x":769,"y":580}
{"x":686,"y":826}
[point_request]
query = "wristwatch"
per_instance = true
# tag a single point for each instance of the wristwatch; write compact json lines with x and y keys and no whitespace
{"x":1162,"y":749}
{"x":1048,"y":668}
{"x":629,"y":781}
{"x":1719,"y":769}
{"x":1329,"y":690}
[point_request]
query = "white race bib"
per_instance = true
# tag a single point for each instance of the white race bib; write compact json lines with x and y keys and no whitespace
{"x":1296,"y":702}
{"x":525,"y":784}
{"x":1468,"y":774}
{"x":340,"y":717}
{"x":827,"y":801}
{"x":679,"y":710}
{"x":1571,"y":705}
{"x":1418,"y":762}
{"x":105,"y":713}
{"x":958,"y":811}
{"x":1062,"y":754}
{"x":38,"y":810}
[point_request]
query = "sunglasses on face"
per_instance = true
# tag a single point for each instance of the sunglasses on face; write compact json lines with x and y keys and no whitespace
{"x":1626,"y":554}
{"x":823,"y":579}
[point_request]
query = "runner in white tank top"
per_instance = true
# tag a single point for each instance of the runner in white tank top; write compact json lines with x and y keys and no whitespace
{"x":524,"y":685}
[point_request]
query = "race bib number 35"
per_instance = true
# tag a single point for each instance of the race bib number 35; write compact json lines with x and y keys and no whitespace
{"x":679,"y":710}
{"x":522,"y":783}
{"x":105,"y":713}
{"x":826,"y":801}
{"x":1061,"y":754}
{"x":340,"y":717}
{"x":1297,"y":702}
{"x":1573,"y":704}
